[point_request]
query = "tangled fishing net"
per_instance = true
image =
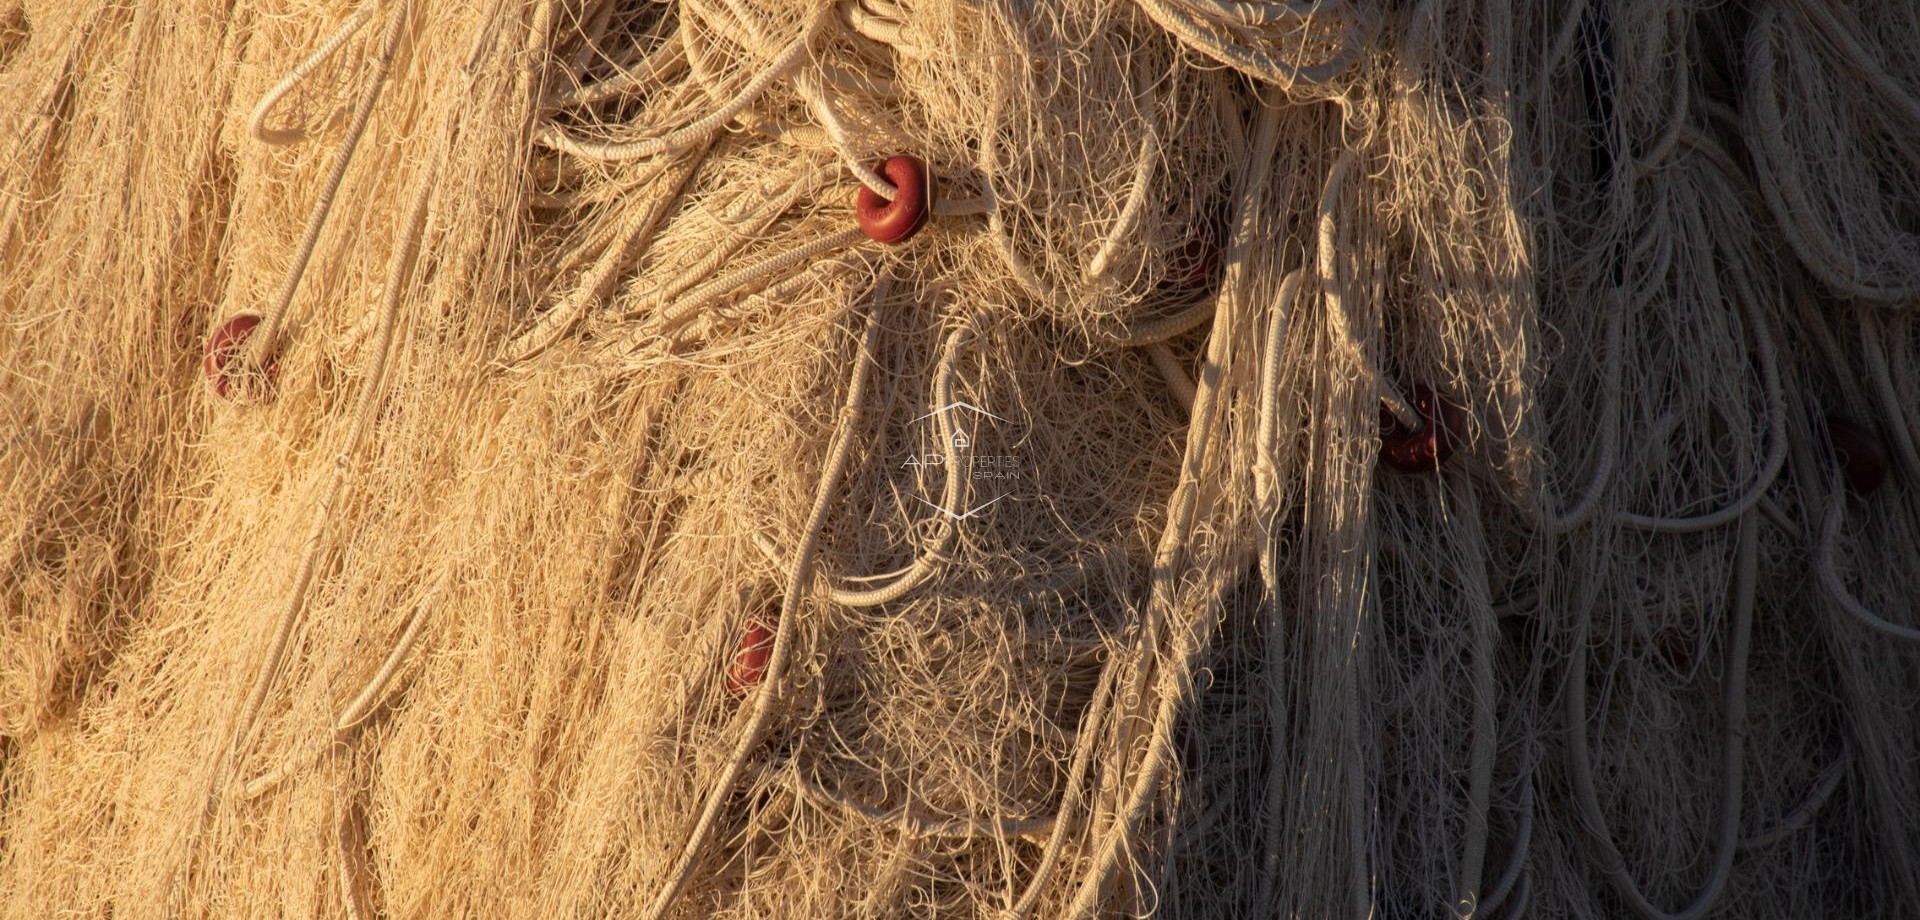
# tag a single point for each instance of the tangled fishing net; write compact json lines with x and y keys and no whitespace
{"x":1202,"y":458}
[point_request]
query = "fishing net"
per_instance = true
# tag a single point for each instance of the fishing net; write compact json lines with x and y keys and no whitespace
{"x":1201,"y":458}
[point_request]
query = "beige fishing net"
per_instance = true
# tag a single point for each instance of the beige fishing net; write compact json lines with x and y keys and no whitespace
{"x":963,"y":458}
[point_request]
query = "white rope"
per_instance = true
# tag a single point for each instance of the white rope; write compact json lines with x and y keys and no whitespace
{"x":1792,"y":822}
{"x":1267,"y":485}
{"x":1253,"y":13}
{"x":1154,"y":332}
{"x":1083,"y":746}
{"x":1132,"y":210}
{"x":1830,"y":582}
{"x":1580,"y":763}
{"x":810,"y":90}
{"x":880,"y":23}
{"x":1178,"y":382}
{"x":364,"y":704}
{"x":556,"y":138}
{"x":1175,"y":676}
{"x":752,"y":276}
{"x":1880,"y":380}
{"x":1776,"y":458}
{"x":1825,"y":255}
{"x":1333,"y":291}
{"x":799,"y":585}
{"x":744,"y":230}
{"x":265,"y":342}
{"x":257,"y":125}
{"x":641,"y":226}
{"x":1516,"y":857}
{"x":1176,"y":17}
{"x":371,"y":397}
{"x":915,"y":574}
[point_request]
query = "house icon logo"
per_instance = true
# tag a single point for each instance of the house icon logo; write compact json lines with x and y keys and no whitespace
{"x":979,"y":469}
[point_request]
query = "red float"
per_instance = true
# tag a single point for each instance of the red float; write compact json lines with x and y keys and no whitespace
{"x":1196,"y":264}
{"x":896,"y":221}
{"x":223,"y":347}
{"x":1863,"y":462}
{"x":1423,"y":450}
{"x":749,"y":665}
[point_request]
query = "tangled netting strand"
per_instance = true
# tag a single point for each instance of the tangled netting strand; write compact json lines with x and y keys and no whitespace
{"x":1202,"y":458}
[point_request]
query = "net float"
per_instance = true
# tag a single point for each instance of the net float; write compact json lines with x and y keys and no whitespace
{"x":749,"y":665}
{"x":1422,"y":450}
{"x":223,"y":347}
{"x":1196,"y":264}
{"x":1863,"y":462}
{"x":894,"y":222}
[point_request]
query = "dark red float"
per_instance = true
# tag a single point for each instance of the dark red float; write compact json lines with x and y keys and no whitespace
{"x":223,"y":348}
{"x":1442,"y":423}
{"x":896,"y":221}
{"x":1863,"y":462}
{"x":749,"y":665}
{"x":1196,"y":264}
